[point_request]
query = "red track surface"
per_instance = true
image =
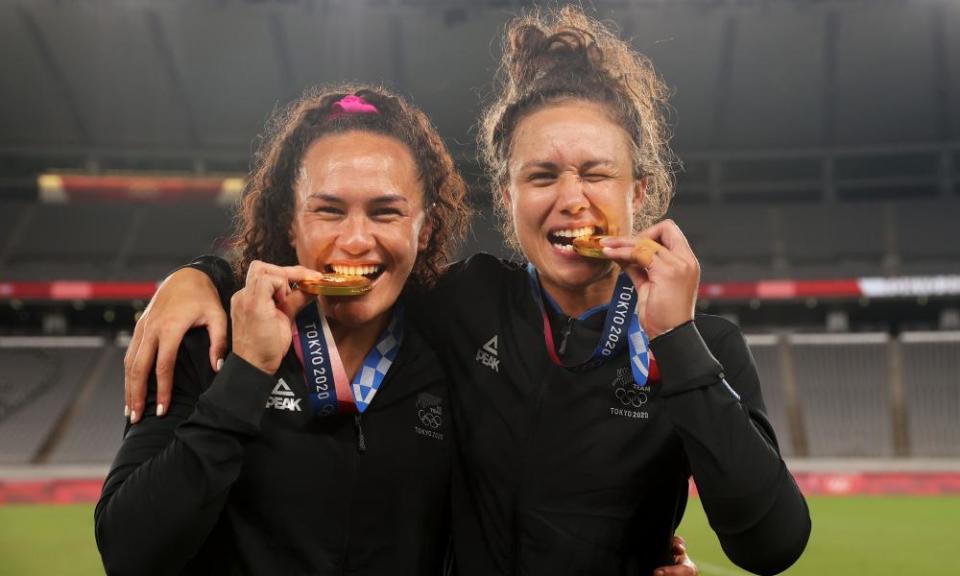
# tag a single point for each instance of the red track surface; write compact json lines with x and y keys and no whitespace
{"x":59,"y":491}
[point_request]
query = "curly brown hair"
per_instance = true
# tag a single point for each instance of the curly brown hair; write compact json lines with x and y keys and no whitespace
{"x":262,"y":230}
{"x":558,"y":55}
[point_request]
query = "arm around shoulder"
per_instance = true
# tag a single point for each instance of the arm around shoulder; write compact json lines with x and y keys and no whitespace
{"x":171,"y":476}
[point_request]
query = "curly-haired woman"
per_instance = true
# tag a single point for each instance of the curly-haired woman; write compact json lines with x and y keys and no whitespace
{"x":240,"y":477}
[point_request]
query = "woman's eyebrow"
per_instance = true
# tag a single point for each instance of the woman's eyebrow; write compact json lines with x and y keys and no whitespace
{"x":325,"y":197}
{"x":539,"y":164}
{"x":598,"y":163}
{"x":391,"y":198}
{"x":552,"y":166}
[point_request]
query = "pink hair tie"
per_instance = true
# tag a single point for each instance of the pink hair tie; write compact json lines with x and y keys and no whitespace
{"x":352,"y":104}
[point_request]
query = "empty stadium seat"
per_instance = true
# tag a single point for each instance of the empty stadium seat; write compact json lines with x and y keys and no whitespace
{"x":728,"y":233}
{"x":10,"y":213}
{"x":69,"y":241}
{"x":931,"y":369}
{"x":843,"y":385}
{"x":50,"y":378}
{"x":928,"y":239}
{"x":829,"y":232}
{"x":172,"y":234}
{"x":96,"y":430}
{"x":766,"y":354}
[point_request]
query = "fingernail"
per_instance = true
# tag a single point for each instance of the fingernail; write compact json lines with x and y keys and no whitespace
{"x":160,"y":410}
{"x":126,"y":411}
{"x":133,"y":416}
{"x":219,"y":364}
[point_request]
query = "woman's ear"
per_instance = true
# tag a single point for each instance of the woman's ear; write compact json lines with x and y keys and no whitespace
{"x":506,"y":198}
{"x":639,"y":193}
{"x":426,"y":232}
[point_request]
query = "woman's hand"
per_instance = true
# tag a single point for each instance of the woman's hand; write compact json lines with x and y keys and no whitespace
{"x":682,"y":564}
{"x":186,"y":299}
{"x":261,"y":313}
{"x":666,"y":280}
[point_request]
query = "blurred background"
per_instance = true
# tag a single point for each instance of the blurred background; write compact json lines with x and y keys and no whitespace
{"x":820,"y":188}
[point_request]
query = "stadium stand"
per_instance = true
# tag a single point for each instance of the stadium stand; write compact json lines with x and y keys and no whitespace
{"x":9,"y":217}
{"x":171,"y":234}
{"x":41,"y":377}
{"x":62,"y":405}
{"x":729,"y":234}
{"x":69,"y":241}
{"x":931,"y":365}
{"x":96,"y":429}
{"x":766,"y":354}
{"x":928,"y":240}
{"x":843,"y":384}
{"x":818,"y":241}
{"x":106,"y":241}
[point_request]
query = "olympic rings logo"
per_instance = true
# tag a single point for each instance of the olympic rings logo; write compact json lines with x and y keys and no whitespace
{"x":430,"y":418}
{"x":631,"y":397}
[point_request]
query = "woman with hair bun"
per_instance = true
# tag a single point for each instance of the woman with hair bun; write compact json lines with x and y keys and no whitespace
{"x":585,"y":391}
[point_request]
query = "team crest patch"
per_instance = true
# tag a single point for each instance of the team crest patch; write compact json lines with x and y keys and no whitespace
{"x":429,"y":420}
{"x":630,"y":399}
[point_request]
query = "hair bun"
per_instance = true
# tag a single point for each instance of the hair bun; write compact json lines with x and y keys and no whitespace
{"x":533,"y":55}
{"x":563,"y":54}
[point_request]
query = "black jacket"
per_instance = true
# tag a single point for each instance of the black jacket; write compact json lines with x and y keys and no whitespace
{"x":556,"y":473}
{"x":241,"y":478}
{"x":561,"y":474}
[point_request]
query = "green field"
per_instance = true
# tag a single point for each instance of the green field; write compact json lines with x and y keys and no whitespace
{"x":856,"y":535}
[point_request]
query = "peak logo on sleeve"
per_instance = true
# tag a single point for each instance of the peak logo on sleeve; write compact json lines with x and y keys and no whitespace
{"x":283,"y":398}
{"x":488,"y":356}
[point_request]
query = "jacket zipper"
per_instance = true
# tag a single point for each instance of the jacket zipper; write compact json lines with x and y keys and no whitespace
{"x":361,"y":440}
{"x":564,"y":336}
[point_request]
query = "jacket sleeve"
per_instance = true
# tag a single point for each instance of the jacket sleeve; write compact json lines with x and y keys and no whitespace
{"x":750,"y":498}
{"x":172,"y":475}
{"x":219,"y":272}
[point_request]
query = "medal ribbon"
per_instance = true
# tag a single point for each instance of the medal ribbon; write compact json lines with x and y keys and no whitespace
{"x":617,"y":329}
{"x":323,"y":370}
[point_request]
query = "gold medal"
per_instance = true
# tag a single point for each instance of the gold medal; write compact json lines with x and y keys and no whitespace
{"x":335,"y":285}
{"x":589,"y":246}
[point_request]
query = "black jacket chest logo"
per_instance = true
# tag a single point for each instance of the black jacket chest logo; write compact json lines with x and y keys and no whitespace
{"x":630,"y":399}
{"x":489,"y":354}
{"x":429,"y":412}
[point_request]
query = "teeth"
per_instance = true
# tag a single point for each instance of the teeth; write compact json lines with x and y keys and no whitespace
{"x":564,"y":247}
{"x":355,"y":270}
{"x":575,"y":232}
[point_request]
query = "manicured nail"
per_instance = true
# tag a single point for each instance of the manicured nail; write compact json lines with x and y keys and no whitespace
{"x":219,"y":364}
{"x":126,"y":411}
{"x":160,"y":409}
{"x":133,"y":416}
